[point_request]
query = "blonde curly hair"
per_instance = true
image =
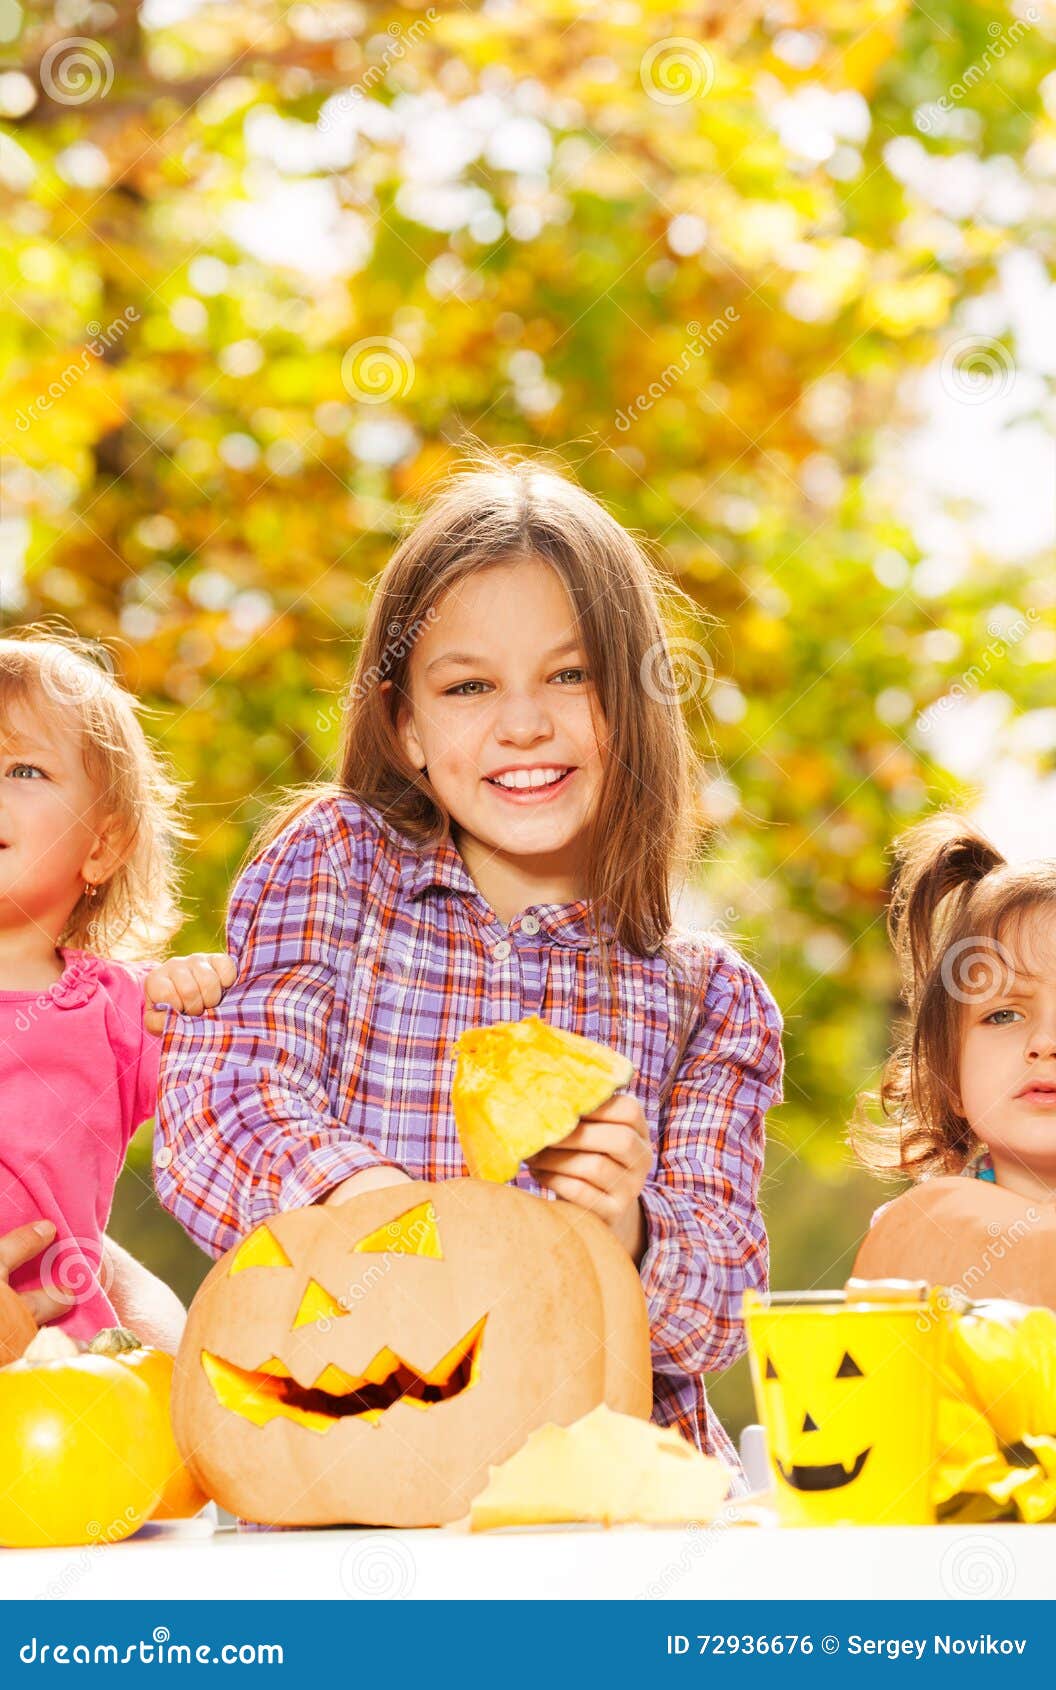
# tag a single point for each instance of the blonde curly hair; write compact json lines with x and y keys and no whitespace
{"x":69,"y":682}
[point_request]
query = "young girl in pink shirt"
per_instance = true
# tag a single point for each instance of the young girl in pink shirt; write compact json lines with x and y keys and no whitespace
{"x":86,"y":892}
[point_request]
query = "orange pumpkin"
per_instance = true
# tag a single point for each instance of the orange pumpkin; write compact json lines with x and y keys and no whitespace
{"x":980,"y":1238}
{"x":366,"y":1363}
{"x":17,"y":1325}
{"x":181,"y":1496}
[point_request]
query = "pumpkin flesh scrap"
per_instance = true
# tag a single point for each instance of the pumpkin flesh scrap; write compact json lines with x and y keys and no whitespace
{"x":520,"y":1086}
{"x":270,"y":1392}
{"x":609,"y":1468}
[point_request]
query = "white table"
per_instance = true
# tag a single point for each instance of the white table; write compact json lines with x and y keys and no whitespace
{"x":732,"y":1562}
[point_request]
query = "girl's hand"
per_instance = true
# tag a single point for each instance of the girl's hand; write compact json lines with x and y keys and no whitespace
{"x":187,"y":984}
{"x":602,"y":1165}
{"x":368,"y":1179}
{"x":21,"y":1246}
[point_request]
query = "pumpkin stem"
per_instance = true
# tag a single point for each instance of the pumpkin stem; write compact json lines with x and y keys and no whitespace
{"x":114,"y":1341}
{"x":50,"y":1344}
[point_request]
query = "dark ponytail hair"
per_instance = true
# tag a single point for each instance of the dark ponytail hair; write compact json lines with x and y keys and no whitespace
{"x":938,"y":865}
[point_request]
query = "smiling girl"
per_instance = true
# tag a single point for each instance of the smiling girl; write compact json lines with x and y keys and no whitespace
{"x":517,"y":790}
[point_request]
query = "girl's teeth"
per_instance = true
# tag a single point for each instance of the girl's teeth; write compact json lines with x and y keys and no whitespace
{"x":538,"y":777}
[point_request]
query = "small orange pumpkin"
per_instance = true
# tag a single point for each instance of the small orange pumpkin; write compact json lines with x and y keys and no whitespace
{"x":181,"y":1496}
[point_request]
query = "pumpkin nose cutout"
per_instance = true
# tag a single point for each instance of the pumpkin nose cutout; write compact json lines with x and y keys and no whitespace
{"x":809,"y":1425}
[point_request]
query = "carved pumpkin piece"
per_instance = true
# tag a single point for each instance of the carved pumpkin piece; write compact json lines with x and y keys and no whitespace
{"x":520,"y":1086}
{"x":367,"y":1363}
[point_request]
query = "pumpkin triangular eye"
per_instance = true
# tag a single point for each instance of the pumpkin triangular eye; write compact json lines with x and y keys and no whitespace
{"x":260,"y":1250}
{"x":317,"y":1304}
{"x":771,"y":1370}
{"x":848,"y":1368}
{"x":415,"y":1233}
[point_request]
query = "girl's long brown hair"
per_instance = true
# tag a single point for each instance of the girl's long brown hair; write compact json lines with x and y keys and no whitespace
{"x":647,"y":822}
{"x":955,"y":901}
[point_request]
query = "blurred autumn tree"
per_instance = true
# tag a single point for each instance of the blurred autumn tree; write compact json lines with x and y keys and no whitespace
{"x":264,"y":266}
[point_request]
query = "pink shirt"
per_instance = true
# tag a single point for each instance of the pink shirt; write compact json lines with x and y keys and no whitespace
{"x":78,"y":1073}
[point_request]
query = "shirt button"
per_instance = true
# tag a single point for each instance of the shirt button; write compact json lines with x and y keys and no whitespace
{"x":163,"y":1158}
{"x":530,"y":924}
{"x":502,"y":950}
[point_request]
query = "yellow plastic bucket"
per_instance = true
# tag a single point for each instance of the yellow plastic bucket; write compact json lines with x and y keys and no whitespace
{"x":847,"y":1385}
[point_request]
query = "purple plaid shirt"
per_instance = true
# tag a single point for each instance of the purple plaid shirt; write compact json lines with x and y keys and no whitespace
{"x":362,"y":957}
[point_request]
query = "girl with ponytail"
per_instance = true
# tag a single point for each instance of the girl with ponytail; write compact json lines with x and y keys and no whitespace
{"x":970,"y":1085}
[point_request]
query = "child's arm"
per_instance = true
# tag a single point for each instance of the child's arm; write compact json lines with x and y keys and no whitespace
{"x":369,"y":1179}
{"x":188,"y":984}
{"x":244,"y":1123}
{"x":142,"y":1301}
{"x":706,"y":1240}
{"x":691,"y":1224}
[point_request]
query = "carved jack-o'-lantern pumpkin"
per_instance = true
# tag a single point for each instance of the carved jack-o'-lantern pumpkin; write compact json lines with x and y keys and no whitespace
{"x":366,"y":1363}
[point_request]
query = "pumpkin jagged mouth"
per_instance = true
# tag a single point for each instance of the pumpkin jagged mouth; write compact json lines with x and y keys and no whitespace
{"x":829,"y":1476}
{"x":270,"y":1392}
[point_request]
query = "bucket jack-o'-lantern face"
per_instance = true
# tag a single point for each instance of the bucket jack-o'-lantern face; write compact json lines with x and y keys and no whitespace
{"x":820,"y":1475}
{"x":366,"y":1363}
{"x":849,"y":1394}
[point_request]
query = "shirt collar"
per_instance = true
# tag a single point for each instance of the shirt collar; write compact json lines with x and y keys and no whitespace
{"x":442,"y":865}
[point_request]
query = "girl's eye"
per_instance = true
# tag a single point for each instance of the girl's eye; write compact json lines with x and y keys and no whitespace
{"x":992,"y":1018}
{"x":26,"y":771}
{"x":456,"y":692}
